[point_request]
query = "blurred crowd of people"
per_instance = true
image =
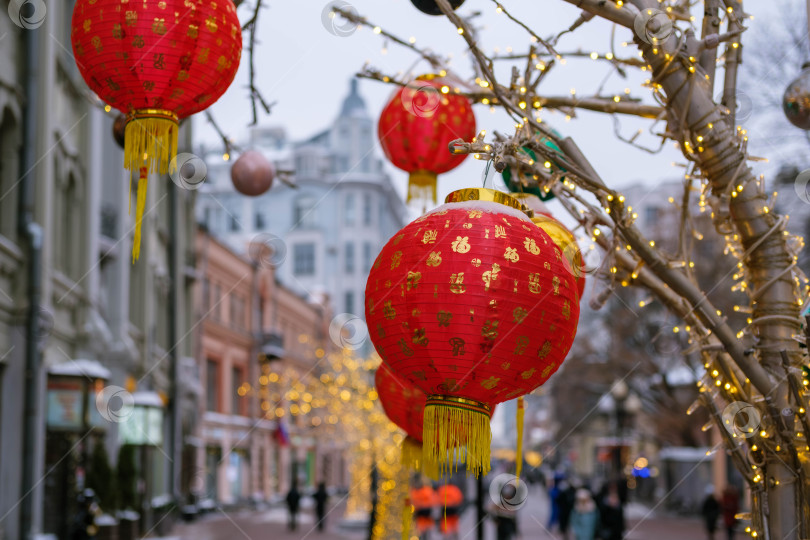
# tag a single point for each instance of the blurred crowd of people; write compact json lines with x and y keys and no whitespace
{"x":580,"y":514}
{"x":727,"y":506}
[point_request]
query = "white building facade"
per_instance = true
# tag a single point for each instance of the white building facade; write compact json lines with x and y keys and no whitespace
{"x":327,"y":230}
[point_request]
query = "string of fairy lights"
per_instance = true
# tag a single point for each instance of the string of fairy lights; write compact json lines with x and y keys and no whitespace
{"x":609,"y":222}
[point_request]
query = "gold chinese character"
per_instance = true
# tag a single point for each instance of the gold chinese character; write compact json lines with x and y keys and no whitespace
{"x":555,"y":282}
{"x":461,"y":244}
{"x":566,"y":310}
{"x":430,"y":236}
{"x":544,"y":350}
{"x":511,"y":254}
{"x":490,"y":329}
{"x":435,"y":258}
{"x":520,"y":345}
{"x":413,"y":279}
{"x":388,"y":311}
{"x":395,"y":259}
{"x":159,"y":26}
{"x":534,"y":283}
{"x":475,"y":214}
{"x":419,"y":336}
{"x":528,"y":373}
{"x":490,"y":275}
{"x":500,"y":231}
{"x":490,"y":383}
{"x":519,"y":314}
{"x":444,"y":318}
{"x":456,"y":283}
{"x":406,"y":350}
{"x":458,"y":346}
{"x":531,"y":246}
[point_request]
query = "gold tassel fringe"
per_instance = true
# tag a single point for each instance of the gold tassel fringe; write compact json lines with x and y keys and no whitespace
{"x":140,"y":204}
{"x":422,"y":186}
{"x":407,"y":519}
{"x":519,"y":450}
{"x":411,"y":458}
{"x":150,"y":143}
{"x":456,"y":429}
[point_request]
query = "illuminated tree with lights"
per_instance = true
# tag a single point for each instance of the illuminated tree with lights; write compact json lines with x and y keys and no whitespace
{"x":755,"y":382}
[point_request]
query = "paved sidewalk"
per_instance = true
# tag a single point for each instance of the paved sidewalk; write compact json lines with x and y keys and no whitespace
{"x":272,"y":524}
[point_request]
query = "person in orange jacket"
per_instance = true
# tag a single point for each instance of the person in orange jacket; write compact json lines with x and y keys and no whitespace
{"x":424,"y":499}
{"x":450,"y":501}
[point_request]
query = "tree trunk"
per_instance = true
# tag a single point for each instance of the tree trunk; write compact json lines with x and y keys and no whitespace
{"x":716,"y":149}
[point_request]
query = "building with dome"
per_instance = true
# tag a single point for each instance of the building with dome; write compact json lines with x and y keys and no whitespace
{"x":328,"y":229}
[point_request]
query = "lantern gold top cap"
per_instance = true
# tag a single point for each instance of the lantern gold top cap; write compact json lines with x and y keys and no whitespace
{"x":491,"y":195}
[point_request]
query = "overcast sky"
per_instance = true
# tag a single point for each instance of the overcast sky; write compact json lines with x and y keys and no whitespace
{"x":306,"y":70}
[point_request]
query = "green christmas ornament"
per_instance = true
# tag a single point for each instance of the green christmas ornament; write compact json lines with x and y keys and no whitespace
{"x":524,"y":183}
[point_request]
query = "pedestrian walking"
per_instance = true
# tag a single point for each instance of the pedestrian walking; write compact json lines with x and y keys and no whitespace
{"x":554,"y":501}
{"x":424,"y":500}
{"x":450,"y":501}
{"x":584,"y":516}
{"x":611,"y":512}
{"x":321,"y":496}
{"x":293,"y":502}
{"x":565,"y":504}
{"x":84,"y":522}
{"x":731,"y":506}
{"x":710,"y":512}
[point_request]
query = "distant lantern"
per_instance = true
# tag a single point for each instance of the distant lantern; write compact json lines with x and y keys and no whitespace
{"x":474,"y":305}
{"x":156,"y":62}
{"x":432,"y":8}
{"x":417,"y":125}
{"x":252,"y":174}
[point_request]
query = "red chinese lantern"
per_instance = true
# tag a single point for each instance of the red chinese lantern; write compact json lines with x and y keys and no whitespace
{"x":416,"y":127}
{"x":474,"y":305}
{"x":404,"y":405}
{"x":156,"y":62}
{"x":402,"y":402}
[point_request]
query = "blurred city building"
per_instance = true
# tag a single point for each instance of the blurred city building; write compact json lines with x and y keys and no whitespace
{"x":327,"y":229}
{"x":253,"y":330}
{"x":75,"y":312}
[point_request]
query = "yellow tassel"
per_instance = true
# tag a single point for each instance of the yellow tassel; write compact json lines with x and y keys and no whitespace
{"x":150,"y":143}
{"x":456,"y":429}
{"x":422,"y":186}
{"x":140,"y":204}
{"x":519,"y":451}
{"x":411,"y":458}
{"x":407,"y":519}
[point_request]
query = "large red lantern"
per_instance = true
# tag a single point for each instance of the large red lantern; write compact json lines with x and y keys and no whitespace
{"x":156,"y":62}
{"x":475,"y":305}
{"x":416,"y":127}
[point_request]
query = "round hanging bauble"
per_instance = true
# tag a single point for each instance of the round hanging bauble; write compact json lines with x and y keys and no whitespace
{"x":796,"y":100}
{"x":252,"y":174}
{"x":431,"y":8}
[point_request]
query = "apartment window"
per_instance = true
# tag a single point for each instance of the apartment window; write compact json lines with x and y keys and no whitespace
{"x":206,"y":295}
{"x":349,"y":301}
{"x":217,"y":303}
{"x":368,"y":259}
{"x":236,"y":398}
{"x":367,"y":209}
{"x":348,"y":209}
{"x":9,"y":172}
{"x":650,"y":215}
{"x":349,"y":258}
{"x":211,"y":387}
{"x":237,"y":311}
{"x":260,"y":224}
{"x":304,"y":259}
{"x":304,"y":212}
